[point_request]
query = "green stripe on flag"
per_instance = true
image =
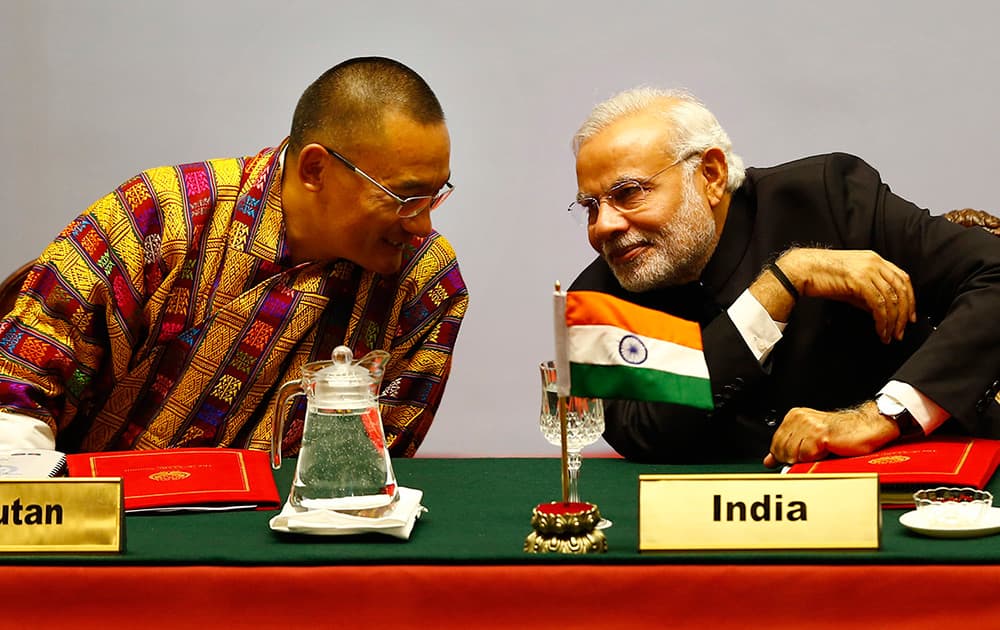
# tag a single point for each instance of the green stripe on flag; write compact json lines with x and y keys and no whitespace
{"x":636,"y":383}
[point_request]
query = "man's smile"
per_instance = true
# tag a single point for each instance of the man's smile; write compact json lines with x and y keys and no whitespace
{"x":619,"y":253}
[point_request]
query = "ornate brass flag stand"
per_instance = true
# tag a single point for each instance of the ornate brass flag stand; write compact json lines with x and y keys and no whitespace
{"x":564,"y":526}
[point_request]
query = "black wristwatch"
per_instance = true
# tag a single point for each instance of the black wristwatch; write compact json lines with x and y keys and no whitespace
{"x":908,"y":425}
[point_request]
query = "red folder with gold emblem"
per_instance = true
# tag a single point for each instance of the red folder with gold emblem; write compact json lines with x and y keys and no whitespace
{"x":902,"y":468}
{"x":198,"y":479}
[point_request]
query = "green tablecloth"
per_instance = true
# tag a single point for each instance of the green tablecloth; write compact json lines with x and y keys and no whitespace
{"x":479,"y":512}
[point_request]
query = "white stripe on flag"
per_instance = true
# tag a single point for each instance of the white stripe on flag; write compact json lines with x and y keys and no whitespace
{"x":610,"y":345}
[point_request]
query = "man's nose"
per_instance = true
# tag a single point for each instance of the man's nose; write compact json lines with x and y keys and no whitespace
{"x":607,"y":223}
{"x":419,"y":225}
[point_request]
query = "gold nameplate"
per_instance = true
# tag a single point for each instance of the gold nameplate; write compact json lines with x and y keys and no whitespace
{"x":61,"y":515}
{"x":765,"y":511}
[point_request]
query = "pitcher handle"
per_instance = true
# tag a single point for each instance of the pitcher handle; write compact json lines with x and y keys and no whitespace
{"x":278,"y":423}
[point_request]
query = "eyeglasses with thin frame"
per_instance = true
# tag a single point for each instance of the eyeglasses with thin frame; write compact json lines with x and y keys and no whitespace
{"x":626,"y":196}
{"x":409,"y":207}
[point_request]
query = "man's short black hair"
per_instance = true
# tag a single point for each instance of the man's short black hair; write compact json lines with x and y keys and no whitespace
{"x":349,"y":101}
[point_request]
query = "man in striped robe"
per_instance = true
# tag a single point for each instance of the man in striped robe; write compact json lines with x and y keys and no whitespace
{"x":167,"y":314}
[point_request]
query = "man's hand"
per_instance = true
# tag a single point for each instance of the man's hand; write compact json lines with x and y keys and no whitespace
{"x":806,"y":435}
{"x":859,"y":277}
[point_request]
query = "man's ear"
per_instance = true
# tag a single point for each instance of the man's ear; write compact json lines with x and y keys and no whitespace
{"x":715,"y":172}
{"x":312,"y":160}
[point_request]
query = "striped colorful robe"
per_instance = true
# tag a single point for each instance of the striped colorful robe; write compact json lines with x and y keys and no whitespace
{"x":168,"y":314}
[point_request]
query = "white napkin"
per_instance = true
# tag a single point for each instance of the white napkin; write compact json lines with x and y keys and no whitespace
{"x":29,"y":463}
{"x":398,"y":522}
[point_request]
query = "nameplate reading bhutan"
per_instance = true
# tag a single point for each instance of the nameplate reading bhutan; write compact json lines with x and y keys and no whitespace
{"x":759,"y":511}
{"x":61,"y":515}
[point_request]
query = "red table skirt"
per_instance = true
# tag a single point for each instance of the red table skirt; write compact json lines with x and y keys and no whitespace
{"x":522,"y":596}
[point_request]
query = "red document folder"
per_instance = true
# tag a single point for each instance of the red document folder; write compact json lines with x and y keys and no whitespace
{"x":903,"y":468}
{"x":185,"y":478}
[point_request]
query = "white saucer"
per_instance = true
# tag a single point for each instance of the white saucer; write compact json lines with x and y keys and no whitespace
{"x":398,"y":522}
{"x":989,"y":524}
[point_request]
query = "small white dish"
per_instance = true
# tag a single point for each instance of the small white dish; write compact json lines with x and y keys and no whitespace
{"x":916,"y":521}
{"x":398,"y":522}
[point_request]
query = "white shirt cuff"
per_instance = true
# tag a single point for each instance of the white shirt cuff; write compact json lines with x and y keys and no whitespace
{"x":925,"y":411}
{"x":17,"y":431}
{"x":755,"y":325}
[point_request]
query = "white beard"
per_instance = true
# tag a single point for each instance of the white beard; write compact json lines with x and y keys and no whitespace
{"x":677,"y":252}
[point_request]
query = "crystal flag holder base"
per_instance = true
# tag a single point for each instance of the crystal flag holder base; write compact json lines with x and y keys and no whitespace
{"x":563,"y":527}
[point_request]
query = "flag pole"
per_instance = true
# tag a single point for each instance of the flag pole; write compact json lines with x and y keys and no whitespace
{"x":565,"y":450}
{"x":564,"y":458}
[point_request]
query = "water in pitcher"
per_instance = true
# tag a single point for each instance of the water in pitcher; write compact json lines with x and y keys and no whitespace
{"x":582,"y":429}
{"x":343,"y":461}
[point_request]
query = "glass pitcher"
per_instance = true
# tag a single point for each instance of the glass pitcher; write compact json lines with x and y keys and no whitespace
{"x":343,"y":464}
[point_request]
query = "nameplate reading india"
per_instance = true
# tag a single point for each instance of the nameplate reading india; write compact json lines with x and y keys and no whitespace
{"x":728,"y":511}
{"x":61,"y":515}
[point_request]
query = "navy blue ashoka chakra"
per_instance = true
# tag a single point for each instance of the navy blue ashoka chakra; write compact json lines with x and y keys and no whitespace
{"x":632,"y":350}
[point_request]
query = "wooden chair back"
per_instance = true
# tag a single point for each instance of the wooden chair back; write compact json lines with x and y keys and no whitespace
{"x":970,"y":217}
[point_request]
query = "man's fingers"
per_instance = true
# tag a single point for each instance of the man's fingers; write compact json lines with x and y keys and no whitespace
{"x":880,"y":307}
{"x":789,"y":448}
{"x":778,"y":446}
{"x":906,"y":311}
{"x":899,"y":315}
{"x":811,"y":450}
{"x":902,"y":291}
{"x":890,"y":301}
{"x":866,"y":280}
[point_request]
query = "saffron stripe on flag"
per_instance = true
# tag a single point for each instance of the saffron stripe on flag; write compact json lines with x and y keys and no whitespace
{"x":594,"y":308}
{"x":636,"y":383}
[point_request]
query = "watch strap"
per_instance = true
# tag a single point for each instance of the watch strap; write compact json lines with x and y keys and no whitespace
{"x":907,"y":424}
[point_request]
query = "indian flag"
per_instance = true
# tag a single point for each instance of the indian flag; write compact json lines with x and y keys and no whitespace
{"x":611,"y":348}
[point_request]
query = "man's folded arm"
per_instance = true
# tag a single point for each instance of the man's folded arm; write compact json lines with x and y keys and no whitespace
{"x":757,"y":327}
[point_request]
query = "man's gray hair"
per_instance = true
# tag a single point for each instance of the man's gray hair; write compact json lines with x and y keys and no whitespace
{"x":695,"y":128}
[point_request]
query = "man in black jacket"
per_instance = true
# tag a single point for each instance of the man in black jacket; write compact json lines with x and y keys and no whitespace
{"x":836,"y":316}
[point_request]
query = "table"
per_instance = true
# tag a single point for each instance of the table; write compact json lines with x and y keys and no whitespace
{"x":464,"y":567}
